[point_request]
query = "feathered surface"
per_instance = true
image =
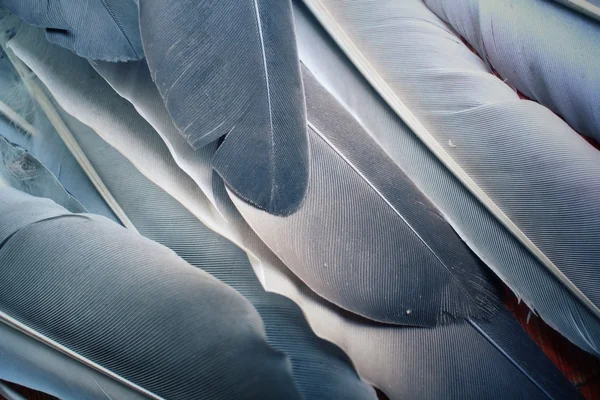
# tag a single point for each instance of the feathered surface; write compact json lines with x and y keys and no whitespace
{"x":320,"y":369}
{"x":525,"y":165}
{"x":114,"y":298}
{"x":544,"y":50}
{"x":97,"y":29}
{"x":231,"y":68}
{"x":366,"y":238}
{"x":591,"y":8}
{"x":22,"y":171}
{"x":46,"y":146}
{"x":386,"y":355}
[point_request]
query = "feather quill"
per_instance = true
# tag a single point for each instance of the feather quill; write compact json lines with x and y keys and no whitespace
{"x":542,"y":49}
{"x":97,"y":29}
{"x":231,"y":68}
{"x":525,"y":165}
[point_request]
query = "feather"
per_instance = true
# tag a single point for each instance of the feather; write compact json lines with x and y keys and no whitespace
{"x":512,"y":155}
{"x":544,"y":50}
{"x":22,"y":171}
{"x":495,"y":342}
{"x":366,"y":238}
{"x":591,"y":8}
{"x":231,"y":68}
{"x":97,"y":29}
{"x":61,"y":298}
{"x":320,"y":369}
{"x":8,"y":393}
{"x":396,"y":359}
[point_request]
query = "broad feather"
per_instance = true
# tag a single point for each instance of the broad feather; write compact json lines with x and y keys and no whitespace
{"x":97,"y":29}
{"x":123,"y":309}
{"x":525,"y":165}
{"x":231,"y":68}
{"x":544,"y":50}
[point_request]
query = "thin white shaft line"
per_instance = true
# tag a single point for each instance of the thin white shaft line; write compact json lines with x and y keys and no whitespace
{"x":65,"y":133}
{"x":15,"y":324}
{"x":14,"y":117}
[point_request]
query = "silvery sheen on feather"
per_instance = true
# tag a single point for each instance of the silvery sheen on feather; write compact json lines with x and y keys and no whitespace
{"x":544,"y":50}
{"x":523,"y":163}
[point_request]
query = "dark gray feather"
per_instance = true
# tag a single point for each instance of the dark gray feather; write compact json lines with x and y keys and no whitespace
{"x":231,"y":68}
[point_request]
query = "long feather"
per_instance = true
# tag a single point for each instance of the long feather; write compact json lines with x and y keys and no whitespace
{"x":391,"y":357}
{"x":542,"y":49}
{"x":525,"y":165}
{"x":129,"y":308}
{"x":97,"y":29}
{"x":230,"y":67}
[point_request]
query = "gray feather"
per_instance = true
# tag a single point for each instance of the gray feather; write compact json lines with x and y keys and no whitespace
{"x":112,"y":297}
{"x":230,"y":67}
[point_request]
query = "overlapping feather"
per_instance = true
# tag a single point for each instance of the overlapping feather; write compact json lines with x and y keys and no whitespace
{"x":127,"y":307}
{"x":396,"y":359}
{"x":230,"y":67}
{"x":525,"y":165}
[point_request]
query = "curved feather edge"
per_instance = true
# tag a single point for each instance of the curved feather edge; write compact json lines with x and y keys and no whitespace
{"x":100,"y":30}
{"x":61,"y":299}
{"x":581,"y":326}
{"x":230,"y":67}
{"x":540,"y":48}
{"x":380,"y":352}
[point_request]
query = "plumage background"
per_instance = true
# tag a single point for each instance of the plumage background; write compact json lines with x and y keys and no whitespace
{"x":443,"y":146}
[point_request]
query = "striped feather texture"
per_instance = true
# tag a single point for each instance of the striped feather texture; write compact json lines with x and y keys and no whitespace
{"x":113,"y":297}
{"x":366,"y":238}
{"x":97,"y":29}
{"x":230,"y":67}
{"x":320,"y":369}
{"x":374,"y":348}
{"x":524,"y":164}
{"x":542,"y":49}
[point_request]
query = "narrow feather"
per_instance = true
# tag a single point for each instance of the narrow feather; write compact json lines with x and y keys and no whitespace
{"x":231,"y":68}
{"x":128,"y":329}
{"x":521,"y":161}
{"x":97,"y":29}
{"x":22,"y":171}
{"x":46,"y":145}
{"x":542,"y":49}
